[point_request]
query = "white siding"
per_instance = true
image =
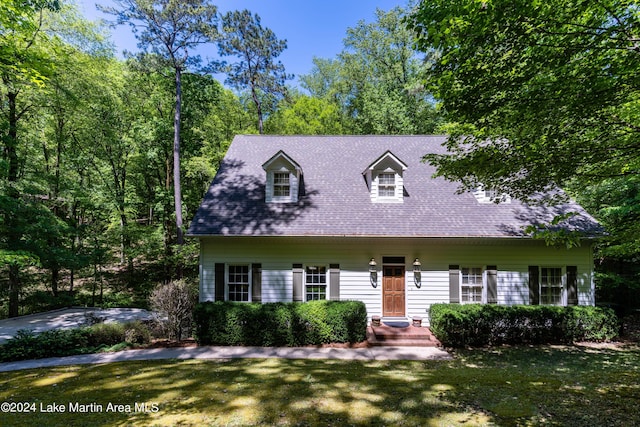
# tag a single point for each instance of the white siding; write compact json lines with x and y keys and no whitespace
{"x":207,"y":274}
{"x":269,"y":187}
{"x":277,"y":283}
{"x":278,"y":254}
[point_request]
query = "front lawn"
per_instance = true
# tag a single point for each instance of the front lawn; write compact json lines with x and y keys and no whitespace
{"x":568,"y":386}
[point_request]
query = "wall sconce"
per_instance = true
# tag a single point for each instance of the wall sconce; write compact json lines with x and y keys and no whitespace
{"x":373,"y":272}
{"x":417,"y":273}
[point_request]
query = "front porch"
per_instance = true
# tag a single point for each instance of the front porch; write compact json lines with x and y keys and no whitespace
{"x":399,"y":332}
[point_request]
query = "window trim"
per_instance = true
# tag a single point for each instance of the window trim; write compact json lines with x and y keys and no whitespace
{"x":327,"y":279}
{"x":227,"y":281}
{"x":483,"y":284}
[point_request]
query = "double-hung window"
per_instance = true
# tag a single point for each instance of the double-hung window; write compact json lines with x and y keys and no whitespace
{"x":386,"y":184}
{"x":471,"y":285}
{"x":315,"y":282}
{"x":551,"y":285}
{"x":281,"y":184}
{"x":238,"y":283}
{"x":490,"y":194}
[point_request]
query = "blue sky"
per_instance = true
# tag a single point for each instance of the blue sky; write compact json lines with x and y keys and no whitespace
{"x":311,"y":28}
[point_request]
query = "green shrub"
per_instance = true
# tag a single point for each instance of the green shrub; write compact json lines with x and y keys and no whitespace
{"x":586,"y":323}
{"x":137,"y":332}
{"x":117,"y":299}
{"x":280,"y":324}
{"x":39,"y":301}
{"x":458,"y":325}
{"x":107,"y":334}
{"x":110,"y":334}
{"x":55,"y":343}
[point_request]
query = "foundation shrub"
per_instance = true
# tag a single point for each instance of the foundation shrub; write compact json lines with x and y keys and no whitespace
{"x":348,"y":321}
{"x":280,"y":324}
{"x":586,"y":323}
{"x":460,"y":325}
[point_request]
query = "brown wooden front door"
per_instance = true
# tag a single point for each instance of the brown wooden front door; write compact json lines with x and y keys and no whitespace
{"x":393,"y":293}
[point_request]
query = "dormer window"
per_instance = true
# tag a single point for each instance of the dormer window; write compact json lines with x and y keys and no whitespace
{"x":283,"y":179}
{"x":387,"y":184}
{"x":281,"y":184}
{"x":490,"y":195}
{"x":385,"y":179}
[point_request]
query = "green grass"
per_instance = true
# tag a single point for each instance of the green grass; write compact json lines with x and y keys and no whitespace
{"x":567,"y":386}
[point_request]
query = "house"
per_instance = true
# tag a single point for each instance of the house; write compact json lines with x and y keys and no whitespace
{"x":299,"y":218}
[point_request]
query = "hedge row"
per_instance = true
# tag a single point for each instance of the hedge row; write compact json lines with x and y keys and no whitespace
{"x":458,"y":325}
{"x":280,"y":324}
{"x":67,"y":342}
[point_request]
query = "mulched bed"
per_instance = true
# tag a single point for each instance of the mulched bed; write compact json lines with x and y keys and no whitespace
{"x":171,"y":344}
{"x":192,"y":343}
{"x":631,"y":327}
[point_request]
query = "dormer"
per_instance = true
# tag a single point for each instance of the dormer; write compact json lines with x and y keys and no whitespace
{"x":490,"y":195}
{"x":384,"y":178}
{"x":283,"y":179}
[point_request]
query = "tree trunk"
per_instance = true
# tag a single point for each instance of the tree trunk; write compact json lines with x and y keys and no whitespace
{"x":55,"y":274}
{"x":93,"y":287}
{"x":11,"y":143}
{"x":123,"y":223}
{"x":256,"y":100}
{"x":56,"y":183}
{"x":13,"y":239}
{"x":14,"y":289}
{"x":176,"y":159}
{"x":167,"y":222}
{"x":101,"y":288}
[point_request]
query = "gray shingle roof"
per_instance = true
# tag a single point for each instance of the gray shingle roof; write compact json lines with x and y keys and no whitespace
{"x":335,"y":199}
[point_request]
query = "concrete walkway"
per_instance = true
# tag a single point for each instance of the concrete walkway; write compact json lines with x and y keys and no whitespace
{"x":215,"y":352}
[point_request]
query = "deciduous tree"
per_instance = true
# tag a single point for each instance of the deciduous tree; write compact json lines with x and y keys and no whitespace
{"x":25,"y":61}
{"x":537,"y":92}
{"x":305,"y":115}
{"x":376,"y":79}
{"x":540,"y":94}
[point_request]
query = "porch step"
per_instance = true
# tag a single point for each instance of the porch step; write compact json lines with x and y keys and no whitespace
{"x":410,"y":336}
